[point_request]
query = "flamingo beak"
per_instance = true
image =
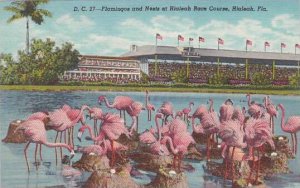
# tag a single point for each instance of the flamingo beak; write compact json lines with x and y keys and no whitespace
{"x":79,"y":135}
{"x":99,"y":102}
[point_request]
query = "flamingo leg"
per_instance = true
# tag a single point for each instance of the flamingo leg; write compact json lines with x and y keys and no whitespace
{"x":226,"y":165}
{"x":35,"y":153}
{"x":55,"y":147}
{"x":112,"y":154}
{"x":252,"y":167}
{"x":208,"y":148}
{"x":258,"y":165}
{"x":25,"y":154}
{"x":120,"y":113}
{"x":124,"y":117}
{"x":174,"y":161}
{"x":296,"y":143}
{"x":41,"y":152}
{"x":137,"y":124}
{"x":95,"y":127}
{"x":232,"y":164}
{"x":60,"y":148}
{"x":293,"y":144}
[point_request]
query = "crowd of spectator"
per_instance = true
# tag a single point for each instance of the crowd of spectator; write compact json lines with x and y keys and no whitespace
{"x":235,"y":73}
{"x":109,"y":63}
{"x":84,"y":78}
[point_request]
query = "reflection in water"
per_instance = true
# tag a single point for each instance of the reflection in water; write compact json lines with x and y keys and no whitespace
{"x":18,"y":104}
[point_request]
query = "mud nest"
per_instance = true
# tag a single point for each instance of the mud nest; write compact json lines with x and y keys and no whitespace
{"x":14,"y":137}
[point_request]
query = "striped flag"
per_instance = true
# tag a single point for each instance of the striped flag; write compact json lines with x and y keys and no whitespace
{"x":180,"y":38}
{"x":201,"y":39}
{"x":297,"y":45}
{"x":220,"y":41}
{"x":158,"y":36}
{"x":283,"y":45}
{"x":267,"y":44}
{"x":249,"y":42}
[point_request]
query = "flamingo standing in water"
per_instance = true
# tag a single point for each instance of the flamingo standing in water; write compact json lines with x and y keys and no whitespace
{"x":134,"y":110}
{"x":186,"y":111}
{"x":167,"y":110}
{"x":271,"y":110}
{"x":96,"y":114}
{"x":120,"y":103}
{"x":226,"y":112}
{"x":255,"y":109}
{"x":150,"y":107}
{"x":35,"y":132}
{"x":257,"y":133}
{"x":60,"y":121}
{"x":112,"y":128}
{"x":232,"y":136}
{"x":199,"y":112}
{"x":292,"y":126}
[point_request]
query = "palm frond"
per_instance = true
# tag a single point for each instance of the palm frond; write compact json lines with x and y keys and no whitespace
{"x":15,"y":17}
{"x":37,"y":18}
{"x":44,"y":12}
{"x":12,"y":9}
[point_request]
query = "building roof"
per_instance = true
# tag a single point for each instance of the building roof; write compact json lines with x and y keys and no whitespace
{"x":211,"y":55}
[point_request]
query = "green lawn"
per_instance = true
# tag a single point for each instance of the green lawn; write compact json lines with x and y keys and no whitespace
{"x":140,"y":89}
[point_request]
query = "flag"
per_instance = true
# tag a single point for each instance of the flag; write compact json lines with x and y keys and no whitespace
{"x":283,"y":45}
{"x":158,"y":36}
{"x":297,"y":45}
{"x":181,"y":38}
{"x":201,"y":39}
{"x":267,"y":44}
{"x":220,"y":41}
{"x":191,"y":39}
{"x":249,"y":42}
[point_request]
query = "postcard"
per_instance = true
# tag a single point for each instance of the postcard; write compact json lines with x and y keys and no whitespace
{"x":140,"y":93}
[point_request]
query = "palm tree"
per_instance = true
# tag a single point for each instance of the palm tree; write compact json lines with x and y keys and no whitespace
{"x":28,"y":9}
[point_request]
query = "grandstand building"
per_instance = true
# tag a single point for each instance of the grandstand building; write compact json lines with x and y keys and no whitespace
{"x":201,"y":61}
{"x":99,"y":68}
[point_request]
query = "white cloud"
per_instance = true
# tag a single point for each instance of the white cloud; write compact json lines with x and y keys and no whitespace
{"x":82,"y":22}
{"x":287,"y":22}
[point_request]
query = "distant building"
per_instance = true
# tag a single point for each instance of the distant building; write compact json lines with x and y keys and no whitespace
{"x":98,"y":68}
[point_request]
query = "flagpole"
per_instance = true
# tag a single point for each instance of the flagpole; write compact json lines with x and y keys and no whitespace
{"x":218,"y":44}
{"x":295,"y":48}
{"x":246,"y":46}
{"x":265,"y":47}
{"x":281,"y":48}
{"x":156,"y":40}
{"x":178,"y":41}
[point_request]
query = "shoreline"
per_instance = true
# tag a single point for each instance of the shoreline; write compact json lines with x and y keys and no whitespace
{"x":63,"y":88}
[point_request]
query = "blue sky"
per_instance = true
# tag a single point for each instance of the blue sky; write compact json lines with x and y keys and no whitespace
{"x":111,"y":33}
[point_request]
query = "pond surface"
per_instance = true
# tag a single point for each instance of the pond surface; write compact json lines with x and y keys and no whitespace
{"x":19,"y":104}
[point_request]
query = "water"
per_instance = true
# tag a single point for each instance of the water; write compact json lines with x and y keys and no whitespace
{"x":20,"y":104}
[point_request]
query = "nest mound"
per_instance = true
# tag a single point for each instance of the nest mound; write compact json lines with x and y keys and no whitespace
{"x":17,"y":137}
{"x":92,"y":163}
{"x":120,"y":179}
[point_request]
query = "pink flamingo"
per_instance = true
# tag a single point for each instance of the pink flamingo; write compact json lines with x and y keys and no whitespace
{"x":292,"y":126}
{"x":179,"y":145}
{"x":167,"y":110}
{"x":200,"y":111}
{"x":239,"y":114}
{"x":179,"y":114}
{"x":43,"y":116}
{"x":210,"y":125}
{"x":112,"y":128}
{"x":254,"y":110}
{"x":149,"y":107}
{"x":120,"y":103}
{"x":60,"y":121}
{"x":134,"y":110}
{"x":257,"y":133}
{"x":226,"y":112}
{"x":35,"y":132}
{"x":271,"y":110}
{"x":211,"y":105}
{"x":148,"y":137}
{"x":186,"y":111}
{"x":232,"y":136}
{"x":96,"y":114}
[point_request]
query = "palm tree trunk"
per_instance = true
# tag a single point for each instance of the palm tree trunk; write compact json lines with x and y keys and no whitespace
{"x":27,"y":35}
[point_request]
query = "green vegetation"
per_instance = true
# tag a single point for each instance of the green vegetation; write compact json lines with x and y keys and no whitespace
{"x":42,"y":65}
{"x":28,"y":9}
{"x":294,"y":80}
{"x":260,"y":78}
{"x":218,"y":79}
{"x":279,"y":90}
{"x":179,"y":76}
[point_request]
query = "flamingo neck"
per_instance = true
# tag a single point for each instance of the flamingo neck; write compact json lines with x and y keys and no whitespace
{"x":79,"y":115}
{"x":147,"y":99}
{"x":193,"y":124}
{"x":249,"y":98}
{"x":158,"y":128}
{"x":90,"y":132}
{"x":265,"y":102}
{"x":52,"y":145}
{"x":282,"y":117}
{"x":169,"y":140}
{"x":211,"y":106}
{"x":107,"y":103}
